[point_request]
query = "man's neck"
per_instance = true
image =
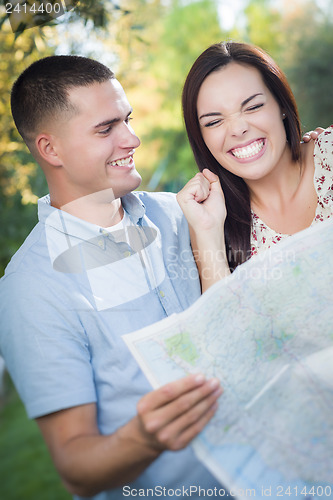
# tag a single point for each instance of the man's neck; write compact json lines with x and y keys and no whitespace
{"x":100,"y":208}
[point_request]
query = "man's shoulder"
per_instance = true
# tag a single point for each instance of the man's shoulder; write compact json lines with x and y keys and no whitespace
{"x":29,"y":254}
{"x":157,"y":196}
{"x":165,"y":202}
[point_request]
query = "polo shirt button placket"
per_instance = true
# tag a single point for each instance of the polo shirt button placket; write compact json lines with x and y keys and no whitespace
{"x":102,"y":242}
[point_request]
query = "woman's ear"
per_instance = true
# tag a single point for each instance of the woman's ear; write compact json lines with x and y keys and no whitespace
{"x":45,"y":145}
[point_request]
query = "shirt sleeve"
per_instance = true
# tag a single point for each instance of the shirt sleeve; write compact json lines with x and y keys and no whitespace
{"x":44,"y":346}
{"x":323,"y":156}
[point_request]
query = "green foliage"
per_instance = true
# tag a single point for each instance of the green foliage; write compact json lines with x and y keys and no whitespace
{"x":27,"y":14}
{"x":26,"y":469}
{"x":311,"y":74}
{"x":21,"y":181}
{"x":264,"y":26}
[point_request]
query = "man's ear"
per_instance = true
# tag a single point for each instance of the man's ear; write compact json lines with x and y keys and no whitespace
{"x":45,"y":145}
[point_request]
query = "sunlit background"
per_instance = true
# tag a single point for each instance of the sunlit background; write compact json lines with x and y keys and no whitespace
{"x":150,"y":45}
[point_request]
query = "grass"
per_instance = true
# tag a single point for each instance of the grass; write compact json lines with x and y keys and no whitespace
{"x":26,"y":469}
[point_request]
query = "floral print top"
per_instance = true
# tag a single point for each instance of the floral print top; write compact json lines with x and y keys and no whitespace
{"x":262,"y":236}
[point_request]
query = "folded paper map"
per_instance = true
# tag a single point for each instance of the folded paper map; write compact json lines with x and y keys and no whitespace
{"x":266,"y":332}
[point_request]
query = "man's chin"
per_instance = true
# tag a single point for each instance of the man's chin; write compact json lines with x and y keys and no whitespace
{"x":137,"y":179}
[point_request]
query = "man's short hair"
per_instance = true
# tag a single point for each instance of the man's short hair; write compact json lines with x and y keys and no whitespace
{"x":41,"y":92}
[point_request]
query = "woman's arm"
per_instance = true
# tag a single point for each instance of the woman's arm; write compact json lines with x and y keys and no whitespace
{"x":202,"y":202}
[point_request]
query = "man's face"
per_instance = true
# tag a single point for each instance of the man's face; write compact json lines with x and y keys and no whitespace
{"x":96,"y":145}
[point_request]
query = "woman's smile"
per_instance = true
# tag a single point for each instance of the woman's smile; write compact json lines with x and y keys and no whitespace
{"x":249,"y":152}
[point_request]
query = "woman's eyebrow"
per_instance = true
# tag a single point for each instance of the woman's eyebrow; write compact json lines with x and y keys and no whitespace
{"x":216,"y":113}
{"x":250,"y":98}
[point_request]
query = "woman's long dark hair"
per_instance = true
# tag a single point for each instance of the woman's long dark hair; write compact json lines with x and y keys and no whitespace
{"x":238,"y":222}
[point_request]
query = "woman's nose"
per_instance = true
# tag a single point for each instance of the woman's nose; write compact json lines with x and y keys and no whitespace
{"x":238,"y":125}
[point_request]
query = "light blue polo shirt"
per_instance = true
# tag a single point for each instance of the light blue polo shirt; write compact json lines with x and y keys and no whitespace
{"x":70,"y":293}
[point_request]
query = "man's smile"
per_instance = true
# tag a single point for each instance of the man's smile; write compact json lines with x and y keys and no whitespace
{"x":121,"y":162}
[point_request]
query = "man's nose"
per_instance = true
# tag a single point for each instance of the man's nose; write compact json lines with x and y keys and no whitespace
{"x":128,"y":138}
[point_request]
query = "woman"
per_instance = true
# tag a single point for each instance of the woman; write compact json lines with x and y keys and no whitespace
{"x":246,"y":130}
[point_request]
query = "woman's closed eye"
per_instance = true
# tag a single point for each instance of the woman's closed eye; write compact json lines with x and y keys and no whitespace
{"x":255,"y":107}
{"x":213,"y":123}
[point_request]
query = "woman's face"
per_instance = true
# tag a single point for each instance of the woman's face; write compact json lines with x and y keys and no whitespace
{"x":241,"y":122}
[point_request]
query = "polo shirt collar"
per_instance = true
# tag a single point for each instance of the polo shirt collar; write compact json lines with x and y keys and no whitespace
{"x":79,"y":228}
{"x":134,"y":207}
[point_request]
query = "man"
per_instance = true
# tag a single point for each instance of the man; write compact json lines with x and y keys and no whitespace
{"x":101,"y":262}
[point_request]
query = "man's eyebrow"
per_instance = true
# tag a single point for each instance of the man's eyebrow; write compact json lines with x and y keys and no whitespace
{"x":113,"y":120}
{"x":246,"y":101}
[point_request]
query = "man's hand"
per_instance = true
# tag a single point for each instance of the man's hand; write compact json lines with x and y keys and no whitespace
{"x":312,"y":135}
{"x":170,"y":417}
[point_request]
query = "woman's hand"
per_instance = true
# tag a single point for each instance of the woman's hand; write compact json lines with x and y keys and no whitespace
{"x":312,"y":135}
{"x":203,"y":204}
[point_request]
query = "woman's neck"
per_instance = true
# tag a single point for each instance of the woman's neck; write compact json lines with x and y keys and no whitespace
{"x":286,"y":200}
{"x":278,"y":188}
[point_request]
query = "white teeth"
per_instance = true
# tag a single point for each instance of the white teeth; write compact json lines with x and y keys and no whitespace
{"x":249,"y":151}
{"x":120,"y":163}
